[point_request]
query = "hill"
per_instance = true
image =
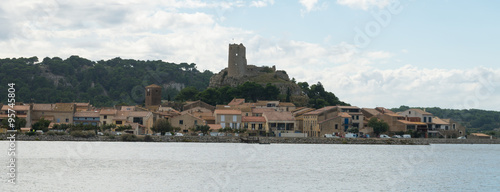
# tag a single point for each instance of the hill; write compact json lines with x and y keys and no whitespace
{"x":475,"y":120}
{"x":103,"y":83}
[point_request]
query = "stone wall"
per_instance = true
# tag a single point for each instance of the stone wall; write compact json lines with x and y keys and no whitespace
{"x":307,"y":140}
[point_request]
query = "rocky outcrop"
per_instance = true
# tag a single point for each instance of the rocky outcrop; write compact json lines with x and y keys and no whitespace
{"x":277,"y":78}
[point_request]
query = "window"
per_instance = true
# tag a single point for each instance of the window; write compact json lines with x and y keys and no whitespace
{"x":104,"y":122}
{"x":260,"y":126}
{"x":222,"y":118}
{"x":58,"y":120}
{"x":253,"y":126}
{"x":195,"y":122}
{"x":425,"y":119}
{"x":118,"y":122}
{"x":181,"y":122}
{"x":453,"y":126}
{"x":246,"y":114}
{"x":430,"y":119}
{"x":336,"y":126}
{"x":67,"y":120}
{"x":409,"y":112}
{"x":245,"y":125}
{"x":105,"y":117}
{"x":235,"y":118}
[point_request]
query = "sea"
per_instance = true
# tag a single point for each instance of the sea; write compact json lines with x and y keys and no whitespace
{"x":141,"y":166}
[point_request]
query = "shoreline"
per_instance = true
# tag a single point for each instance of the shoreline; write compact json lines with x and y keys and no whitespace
{"x":261,"y":140}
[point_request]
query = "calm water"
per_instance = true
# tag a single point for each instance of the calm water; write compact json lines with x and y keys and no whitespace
{"x":87,"y":166}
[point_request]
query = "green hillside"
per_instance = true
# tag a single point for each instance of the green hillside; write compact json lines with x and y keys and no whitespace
{"x":103,"y":83}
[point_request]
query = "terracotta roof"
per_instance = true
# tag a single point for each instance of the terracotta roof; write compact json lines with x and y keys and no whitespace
{"x":345,"y":115}
{"x":215,"y":127}
{"x":302,"y":111}
{"x":87,"y":114}
{"x":393,"y":114}
{"x":421,"y":111}
{"x":331,"y":118}
{"x":82,"y":104}
{"x":121,"y":115}
{"x":286,"y":104}
{"x":437,"y":120}
{"x":16,"y":107}
{"x":411,"y":123}
{"x":153,"y":86}
{"x":207,"y":118}
{"x":108,"y":111}
{"x":372,"y":112}
{"x":383,"y":109}
{"x":42,"y":107}
{"x":278,"y":116}
{"x":236,"y":102}
{"x":261,"y":110}
{"x":320,"y":111}
{"x":127,"y":108}
{"x":264,"y":103}
{"x":252,"y":119}
{"x":67,"y":107}
{"x":227,"y":112}
{"x":139,"y":113}
{"x":168,"y":109}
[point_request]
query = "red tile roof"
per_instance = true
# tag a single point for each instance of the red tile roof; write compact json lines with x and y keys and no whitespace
{"x":236,"y":102}
{"x":227,"y":112}
{"x":87,"y":114}
{"x":278,"y":116}
{"x":253,"y":119}
{"x":320,"y":111}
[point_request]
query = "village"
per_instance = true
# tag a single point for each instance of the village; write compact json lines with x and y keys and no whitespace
{"x":261,"y":118}
{"x":270,"y":118}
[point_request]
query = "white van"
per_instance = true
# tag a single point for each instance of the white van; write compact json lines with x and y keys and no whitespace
{"x":351,"y":135}
{"x":406,"y":136}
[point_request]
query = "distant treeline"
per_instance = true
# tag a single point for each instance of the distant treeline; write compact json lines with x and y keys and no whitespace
{"x":473,"y":119}
{"x":103,"y":83}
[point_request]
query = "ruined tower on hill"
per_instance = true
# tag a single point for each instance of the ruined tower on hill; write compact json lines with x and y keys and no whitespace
{"x":237,"y":61}
{"x":239,"y":72}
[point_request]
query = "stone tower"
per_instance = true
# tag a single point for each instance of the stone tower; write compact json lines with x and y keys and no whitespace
{"x":153,"y":95}
{"x":237,"y":61}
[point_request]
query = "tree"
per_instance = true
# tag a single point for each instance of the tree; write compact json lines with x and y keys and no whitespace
{"x":42,"y":124}
{"x":353,"y":130}
{"x":162,"y":126}
{"x":187,"y":94}
{"x":203,"y":128}
{"x":379,"y":126}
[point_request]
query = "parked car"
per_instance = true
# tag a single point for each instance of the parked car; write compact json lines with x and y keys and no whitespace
{"x":462,"y":137}
{"x":396,"y":136}
{"x":384,"y":136}
{"x":100,"y":133}
{"x":179,"y":134}
{"x":168,"y":134}
{"x":329,"y":135}
{"x":351,"y":135}
{"x":406,"y":136}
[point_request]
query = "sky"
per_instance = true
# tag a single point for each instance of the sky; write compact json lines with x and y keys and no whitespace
{"x":370,"y":53}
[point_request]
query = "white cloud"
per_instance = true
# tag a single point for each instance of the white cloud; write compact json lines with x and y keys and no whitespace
{"x":364,"y":4}
{"x":262,"y":3}
{"x":308,"y":4}
{"x":155,"y":31}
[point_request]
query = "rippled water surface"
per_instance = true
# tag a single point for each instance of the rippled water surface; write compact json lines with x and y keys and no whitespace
{"x":108,"y":166}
